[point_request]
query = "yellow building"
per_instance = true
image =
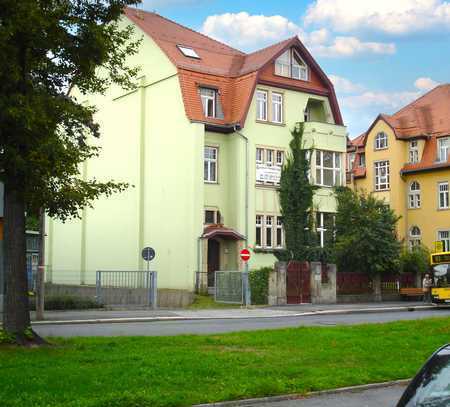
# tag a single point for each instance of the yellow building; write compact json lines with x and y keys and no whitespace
{"x":404,"y":159}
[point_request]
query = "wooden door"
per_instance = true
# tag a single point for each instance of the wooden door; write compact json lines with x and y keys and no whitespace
{"x":213,"y":260}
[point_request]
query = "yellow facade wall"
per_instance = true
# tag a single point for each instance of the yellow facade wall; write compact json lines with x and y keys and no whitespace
{"x":429,"y":218}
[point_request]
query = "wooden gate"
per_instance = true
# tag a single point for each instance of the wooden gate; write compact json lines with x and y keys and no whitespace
{"x":298,"y":283}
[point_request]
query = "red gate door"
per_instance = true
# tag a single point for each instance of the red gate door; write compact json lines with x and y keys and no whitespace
{"x":298,"y":283}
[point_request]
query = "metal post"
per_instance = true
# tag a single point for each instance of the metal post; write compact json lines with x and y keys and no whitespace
{"x":40,"y":280}
{"x":247,"y":295}
{"x":155,"y":289}
{"x":98,"y":287}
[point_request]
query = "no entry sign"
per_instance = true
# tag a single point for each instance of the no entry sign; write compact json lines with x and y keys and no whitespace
{"x":245,"y":255}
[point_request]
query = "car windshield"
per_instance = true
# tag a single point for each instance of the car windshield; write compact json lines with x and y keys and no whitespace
{"x":433,"y":386}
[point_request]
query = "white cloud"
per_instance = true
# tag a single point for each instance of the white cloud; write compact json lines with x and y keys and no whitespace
{"x":250,"y":32}
{"x":389,"y":16}
{"x":349,"y":46}
{"x":386,"y":102}
{"x":425,"y":84}
{"x":344,"y":85}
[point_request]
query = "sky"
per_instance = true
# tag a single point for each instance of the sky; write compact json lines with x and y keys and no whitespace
{"x":380,"y":55}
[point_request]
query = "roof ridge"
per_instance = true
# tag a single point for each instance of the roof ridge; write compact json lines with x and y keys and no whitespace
{"x":270,"y":46}
{"x":188,"y":28}
{"x":410,"y":104}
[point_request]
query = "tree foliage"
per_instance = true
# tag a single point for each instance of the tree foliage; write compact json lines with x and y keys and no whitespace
{"x":416,"y":260}
{"x":48,"y":48}
{"x":366,"y":238}
{"x":296,"y":201}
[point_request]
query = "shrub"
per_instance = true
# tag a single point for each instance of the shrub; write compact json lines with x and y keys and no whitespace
{"x":259,"y":285}
{"x":415,"y":260}
{"x":67,"y":302}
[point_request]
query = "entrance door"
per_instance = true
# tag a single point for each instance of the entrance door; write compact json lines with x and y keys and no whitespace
{"x":213,"y":260}
{"x":298,"y":283}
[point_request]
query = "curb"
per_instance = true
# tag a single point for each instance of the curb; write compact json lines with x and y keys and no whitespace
{"x":203,"y":318}
{"x":274,"y":399}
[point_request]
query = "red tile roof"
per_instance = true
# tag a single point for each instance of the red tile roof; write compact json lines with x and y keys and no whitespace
{"x":427,"y":118}
{"x":234,"y":73}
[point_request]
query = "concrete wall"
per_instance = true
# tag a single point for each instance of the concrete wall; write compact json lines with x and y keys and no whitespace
{"x":322,"y":291}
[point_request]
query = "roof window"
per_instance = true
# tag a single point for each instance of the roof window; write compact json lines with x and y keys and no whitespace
{"x":188,"y":52}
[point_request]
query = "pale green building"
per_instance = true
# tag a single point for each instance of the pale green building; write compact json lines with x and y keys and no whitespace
{"x":201,"y":140}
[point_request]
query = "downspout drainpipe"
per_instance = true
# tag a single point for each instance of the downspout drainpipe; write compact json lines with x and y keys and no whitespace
{"x":247,"y":296}
{"x":236,"y":130}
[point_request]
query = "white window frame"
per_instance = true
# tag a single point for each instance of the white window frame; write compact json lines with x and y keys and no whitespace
{"x":443,"y":148}
{"x":188,"y":51}
{"x":268,"y":231}
{"x":270,"y":159}
{"x":279,"y":229}
{"x":205,"y":98}
{"x":382,"y":182}
{"x":211,"y":162}
{"x":381,"y":141}
{"x":414,"y":237}
{"x":290,"y":61}
{"x":216,"y":216}
{"x":362,"y":160}
{"x":261,"y":103}
{"x":414,"y":195}
{"x":277,"y":107}
{"x":336,"y":168}
{"x":445,"y":240}
{"x":259,"y":221}
{"x":443,"y":192}
{"x":413,"y":151}
{"x":259,"y":155}
{"x":279,"y":158}
{"x":321,"y":227}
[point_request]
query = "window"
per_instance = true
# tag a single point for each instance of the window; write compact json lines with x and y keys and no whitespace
{"x":444,"y":237}
{"x":188,"y":52}
{"x":209,"y":97}
{"x":280,"y":158}
{"x":261,"y":105}
{"x":381,"y":141}
{"x":259,"y":155}
{"x":382,"y":175}
{"x":362,"y":160}
{"x":443,"y":146}
{"x":269,"y":232}
{"x":413,"y":151}
{"x":443,"y":195}
{"x":350,"y":161}
{"x":210,"y":164}
{"x":212,"y":217}
{"x":279,"y":235}
{"x":277,"y":107}
{"x":414,"y":237}
{"x":291,"y":65}
{"x":325,"y":227}
{"x":414,"y":195}
{"x":307,"y":114}
{"x":259,"y":222}
{"x":268,"y":165}
{"x":328,"y":168}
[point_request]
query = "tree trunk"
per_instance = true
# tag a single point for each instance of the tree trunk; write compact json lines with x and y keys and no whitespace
{"x":16,"y":317}
{"x":377,"y":287}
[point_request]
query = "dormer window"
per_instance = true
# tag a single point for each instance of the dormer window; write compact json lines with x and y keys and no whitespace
{"x":188,"y":52}
{"x":291,"y":65}
{"x":211,"y":103}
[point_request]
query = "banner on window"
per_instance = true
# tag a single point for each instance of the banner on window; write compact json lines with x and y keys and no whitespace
{"x":268,"y":173}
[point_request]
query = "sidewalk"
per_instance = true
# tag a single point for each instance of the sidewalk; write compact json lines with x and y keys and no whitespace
{"x":108,"y":316}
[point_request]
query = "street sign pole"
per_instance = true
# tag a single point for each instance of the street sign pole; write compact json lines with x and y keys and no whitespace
{"x":245,"y":257}
{"x":148,"y":254}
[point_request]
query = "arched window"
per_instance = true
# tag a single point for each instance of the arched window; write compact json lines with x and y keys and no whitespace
{"x":414,"y":195}
{"x":414,"y":237}
{"x":381,"y":141}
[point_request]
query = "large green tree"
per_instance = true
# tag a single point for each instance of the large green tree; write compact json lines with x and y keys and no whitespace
{"x":366,"y":239}
{"x":48,"y":48}
{"x":296,"y":200}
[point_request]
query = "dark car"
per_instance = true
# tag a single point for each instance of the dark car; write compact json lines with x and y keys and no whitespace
{"x":431,"y":386}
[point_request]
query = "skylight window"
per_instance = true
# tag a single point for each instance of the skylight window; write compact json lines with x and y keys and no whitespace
{"x":188,"y":52}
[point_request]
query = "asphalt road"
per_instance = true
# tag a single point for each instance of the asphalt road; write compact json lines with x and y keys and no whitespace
{"x":169,"y":328}
{"x":380,"y":397}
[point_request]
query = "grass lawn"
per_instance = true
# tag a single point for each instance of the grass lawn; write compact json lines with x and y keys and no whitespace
{"x":184,"y":370}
